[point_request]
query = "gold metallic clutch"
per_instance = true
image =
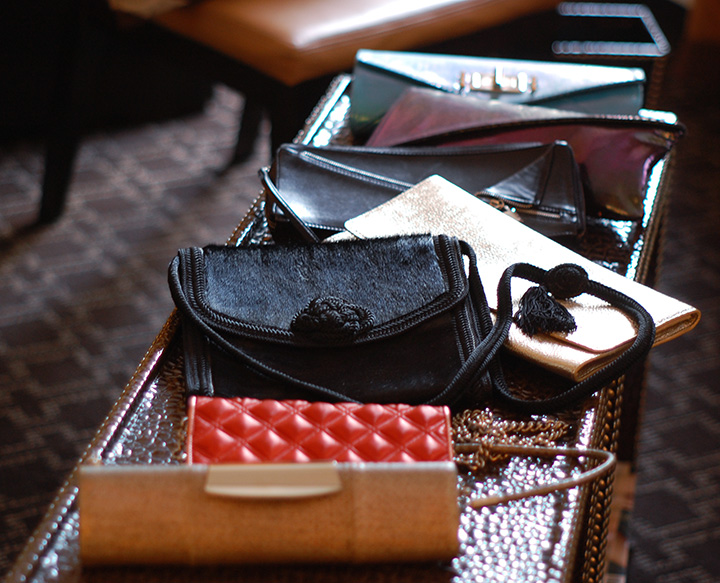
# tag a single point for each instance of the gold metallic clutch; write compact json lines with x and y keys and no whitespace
{"x":437,"y":206}
{"x":268,"y":513}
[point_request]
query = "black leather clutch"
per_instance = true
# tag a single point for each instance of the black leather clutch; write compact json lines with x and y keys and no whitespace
{"x":400,"y":319}
{"x":317,"y":189}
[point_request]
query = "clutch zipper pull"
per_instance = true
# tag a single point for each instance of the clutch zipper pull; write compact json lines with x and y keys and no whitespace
{"x":515,"y":209}
{"x":498,"y":203}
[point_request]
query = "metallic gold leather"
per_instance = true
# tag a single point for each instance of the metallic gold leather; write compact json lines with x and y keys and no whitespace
{"x":554,"y":539}
{"x":438,"y":206}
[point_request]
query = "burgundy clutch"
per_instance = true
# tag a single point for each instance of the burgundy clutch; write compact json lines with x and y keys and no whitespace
{"x":242,"y":430}
{"x":616,"y":153}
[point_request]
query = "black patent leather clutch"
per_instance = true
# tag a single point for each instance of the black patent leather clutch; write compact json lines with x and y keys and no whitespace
{"x":316,"y":189}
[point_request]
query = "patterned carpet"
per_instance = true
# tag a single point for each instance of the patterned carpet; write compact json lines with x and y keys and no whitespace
{"x":81,"y":300}
{"x":676,"y":523}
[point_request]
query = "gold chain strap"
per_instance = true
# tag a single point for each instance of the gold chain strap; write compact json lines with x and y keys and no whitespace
{"x":480,"y":438}
{"x":482,"y":429}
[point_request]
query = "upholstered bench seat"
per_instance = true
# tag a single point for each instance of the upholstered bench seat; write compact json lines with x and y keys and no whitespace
{"x":297,"y":40}
{"x":279,"y":54}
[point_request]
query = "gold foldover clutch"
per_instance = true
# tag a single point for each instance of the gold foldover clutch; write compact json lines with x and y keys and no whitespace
{"x":437,"y":206}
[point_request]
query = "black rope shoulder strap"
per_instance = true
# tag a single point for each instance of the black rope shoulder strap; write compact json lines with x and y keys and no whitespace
{"x":540,"y":312}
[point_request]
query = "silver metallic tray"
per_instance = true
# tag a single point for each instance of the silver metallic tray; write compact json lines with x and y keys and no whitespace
{"x":556,"y":538}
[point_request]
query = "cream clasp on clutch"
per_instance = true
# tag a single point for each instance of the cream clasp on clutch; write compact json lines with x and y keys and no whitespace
{"x":273,"y":480}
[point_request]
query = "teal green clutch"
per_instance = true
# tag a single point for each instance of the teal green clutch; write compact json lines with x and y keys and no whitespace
{"x":379,"y":77}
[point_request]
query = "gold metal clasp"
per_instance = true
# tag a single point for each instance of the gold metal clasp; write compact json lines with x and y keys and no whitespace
{"x":497,"y":82}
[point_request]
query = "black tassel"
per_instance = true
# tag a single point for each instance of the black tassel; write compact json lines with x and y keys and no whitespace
{"x":539,"y":310}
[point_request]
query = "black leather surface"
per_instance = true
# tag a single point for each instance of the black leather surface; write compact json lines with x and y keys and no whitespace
{"x":324,"y":187}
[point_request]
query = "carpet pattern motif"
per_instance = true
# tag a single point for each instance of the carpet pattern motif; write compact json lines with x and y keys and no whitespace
{"x":675,"y":527}
{"x":81,"y":300}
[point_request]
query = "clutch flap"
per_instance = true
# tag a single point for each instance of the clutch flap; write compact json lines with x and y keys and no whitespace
{"x":379,"y":77}
{"x":422,"y":115}
{"x":518,"y":81}
{"x":347,"y":292}
{"x":326,"y":186}
{"x":272,"y":481}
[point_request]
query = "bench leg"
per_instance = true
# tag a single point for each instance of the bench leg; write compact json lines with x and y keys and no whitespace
{"x":59,"y":162}
{"x":287,"y":109}
{"x":250,"y":120}
{"x":73,"y":98}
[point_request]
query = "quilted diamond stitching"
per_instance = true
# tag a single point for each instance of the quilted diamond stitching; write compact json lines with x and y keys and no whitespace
{"x":250,"y":430}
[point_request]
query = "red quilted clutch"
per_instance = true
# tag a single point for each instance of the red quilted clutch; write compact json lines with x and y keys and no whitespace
{"x":241,"y":430}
